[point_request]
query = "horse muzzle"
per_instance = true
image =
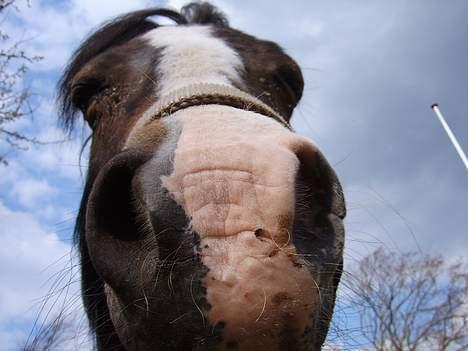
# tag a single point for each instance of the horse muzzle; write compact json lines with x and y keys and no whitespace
{"x":231,"y":226}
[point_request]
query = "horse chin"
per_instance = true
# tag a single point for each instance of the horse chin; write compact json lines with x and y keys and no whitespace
{"x":259,"y":307}
{"x":272,"y":312}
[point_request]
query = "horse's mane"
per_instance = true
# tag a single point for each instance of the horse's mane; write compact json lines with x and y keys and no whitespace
{"x":119,"y":31}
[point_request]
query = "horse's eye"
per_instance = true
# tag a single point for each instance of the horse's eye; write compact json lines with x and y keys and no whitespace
{"x":83,"y":91}
{"x":83,"y":94}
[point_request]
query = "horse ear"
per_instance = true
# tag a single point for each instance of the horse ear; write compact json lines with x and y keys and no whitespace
{"x":290,"y":76}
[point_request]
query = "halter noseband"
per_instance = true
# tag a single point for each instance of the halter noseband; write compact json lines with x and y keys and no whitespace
{"x":208,"y":94}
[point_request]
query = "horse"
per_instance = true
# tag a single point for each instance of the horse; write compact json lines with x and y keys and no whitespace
{"x":206,"y":222}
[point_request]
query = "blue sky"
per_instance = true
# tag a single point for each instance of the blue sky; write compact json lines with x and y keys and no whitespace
{"x":372,"y":70}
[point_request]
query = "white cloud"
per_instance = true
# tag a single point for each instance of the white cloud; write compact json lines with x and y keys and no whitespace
{"x":95,"y":12}
{"x":26,"y":252}
{"x":61,"y":156}
{"x":54,"y":30}
{"x":31,"y":192}
{"x":12,"y":339}
{"x":35,"y":266}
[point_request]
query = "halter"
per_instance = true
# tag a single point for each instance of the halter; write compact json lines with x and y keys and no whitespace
{"x":208,"y":94}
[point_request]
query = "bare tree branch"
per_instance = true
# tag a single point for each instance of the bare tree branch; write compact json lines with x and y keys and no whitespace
{"x":411,"y":302}
{"x":14,"y":98}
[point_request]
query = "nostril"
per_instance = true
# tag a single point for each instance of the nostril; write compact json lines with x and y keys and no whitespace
{"x":113,"y":238}
{"x":319,"y":180}
{"x":112,"y":208}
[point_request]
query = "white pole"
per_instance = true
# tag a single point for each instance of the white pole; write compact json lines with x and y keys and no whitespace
{"x":454,"y":141}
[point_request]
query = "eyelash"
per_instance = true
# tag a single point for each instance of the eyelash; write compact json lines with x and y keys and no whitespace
{"x":84,"y":91}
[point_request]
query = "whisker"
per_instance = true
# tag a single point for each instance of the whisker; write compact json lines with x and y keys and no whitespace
{"x":194,"y":302}
{"x":264,"y":306}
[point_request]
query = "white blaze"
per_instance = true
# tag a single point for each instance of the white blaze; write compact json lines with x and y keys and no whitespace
{"x":192,"y":55}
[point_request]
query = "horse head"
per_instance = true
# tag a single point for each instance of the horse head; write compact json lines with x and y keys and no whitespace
{"x":206,"y":222}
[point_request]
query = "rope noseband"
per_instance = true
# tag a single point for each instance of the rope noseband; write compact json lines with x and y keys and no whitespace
{"x":209,"y":94}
